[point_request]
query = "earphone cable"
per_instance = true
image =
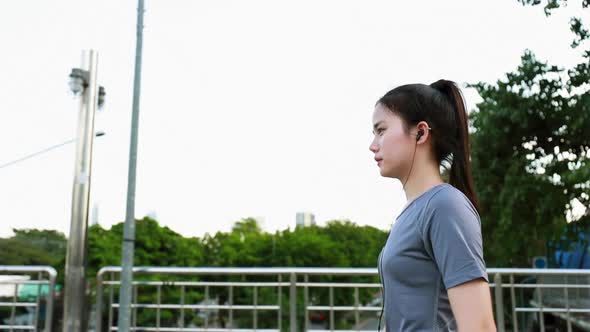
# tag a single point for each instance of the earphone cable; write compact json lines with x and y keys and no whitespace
{"x":411,"y":166}
{"x":383,"y":288}
{"x":380,"y":260}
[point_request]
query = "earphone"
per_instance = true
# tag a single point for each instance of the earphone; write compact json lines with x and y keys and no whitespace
{"x":420,"y":134}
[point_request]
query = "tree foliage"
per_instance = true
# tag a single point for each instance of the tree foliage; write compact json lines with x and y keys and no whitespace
{"x":33,"y":247}
{"x":154,"y":246}
{"x":530,"y":151}
{"x":550,"y":5}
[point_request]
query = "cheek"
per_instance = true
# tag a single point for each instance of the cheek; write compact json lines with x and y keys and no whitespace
{"x":394,"y":146}
{"x":390,"y":142}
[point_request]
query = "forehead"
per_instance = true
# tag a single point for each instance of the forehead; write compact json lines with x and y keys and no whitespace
{"x":383,"y":114}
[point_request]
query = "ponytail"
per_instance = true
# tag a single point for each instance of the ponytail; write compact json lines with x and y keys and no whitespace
{"x":460,"y":175}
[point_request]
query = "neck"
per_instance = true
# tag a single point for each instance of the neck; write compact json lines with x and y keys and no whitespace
{"x":421,"y":180}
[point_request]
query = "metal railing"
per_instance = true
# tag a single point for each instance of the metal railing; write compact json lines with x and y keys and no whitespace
{"x":338,"y":299}
{"x":282,"y":286}
{"x":39,"y":276}
{"x":533,"y":293}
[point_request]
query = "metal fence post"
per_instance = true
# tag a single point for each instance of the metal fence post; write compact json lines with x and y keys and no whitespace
{"x":331,"y":293}
{"x":499,"y":302}
{"x":99,"y":301}
{"x":293,"y":302}
{"x":306,"y":303}
{"x":280,"y":302}
{"x":513,"y":300}
{"x":50,"y":300}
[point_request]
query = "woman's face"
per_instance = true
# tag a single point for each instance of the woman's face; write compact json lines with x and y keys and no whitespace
{"x":392,"y":145}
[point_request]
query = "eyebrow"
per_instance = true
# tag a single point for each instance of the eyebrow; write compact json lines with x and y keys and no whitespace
{"x":377,"y":125}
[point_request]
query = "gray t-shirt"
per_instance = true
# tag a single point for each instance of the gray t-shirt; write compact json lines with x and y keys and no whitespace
{"x":435,"y":244}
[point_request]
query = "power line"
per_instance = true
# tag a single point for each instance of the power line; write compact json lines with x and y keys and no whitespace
{"x":98,"y":134}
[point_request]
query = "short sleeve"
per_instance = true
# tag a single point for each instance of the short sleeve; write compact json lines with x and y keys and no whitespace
{"x":451,"y":231}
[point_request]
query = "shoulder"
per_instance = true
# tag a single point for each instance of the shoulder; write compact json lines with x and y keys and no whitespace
{"x":448,"y":199}
{"x":449,"y":205}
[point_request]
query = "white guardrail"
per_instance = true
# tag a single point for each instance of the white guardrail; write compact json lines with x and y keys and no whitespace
{"x":308,"y":299}
{"x":33,"y":310}
{"x":282,"y":299}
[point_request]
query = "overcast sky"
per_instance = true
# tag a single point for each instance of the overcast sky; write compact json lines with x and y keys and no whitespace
{"x":248,"y":108}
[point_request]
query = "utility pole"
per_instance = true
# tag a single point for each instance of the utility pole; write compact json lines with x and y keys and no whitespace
{"x":129,"y":227}
{"x":83,"y":84}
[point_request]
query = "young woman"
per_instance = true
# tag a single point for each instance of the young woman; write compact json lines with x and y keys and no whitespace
{"x":431,"y":267}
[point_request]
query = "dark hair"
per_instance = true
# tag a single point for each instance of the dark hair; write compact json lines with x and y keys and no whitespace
{"x":441,"y":105}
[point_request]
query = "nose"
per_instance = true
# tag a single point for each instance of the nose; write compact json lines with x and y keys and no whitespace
{"x":373,"y":147}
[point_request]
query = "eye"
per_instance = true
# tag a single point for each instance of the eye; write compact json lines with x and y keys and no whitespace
{"x":380,"y":131}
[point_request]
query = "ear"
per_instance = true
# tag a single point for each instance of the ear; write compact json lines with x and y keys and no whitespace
{"x":422,"y":132}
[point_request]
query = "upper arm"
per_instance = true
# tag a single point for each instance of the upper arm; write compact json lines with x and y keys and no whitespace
{"x":452,"y":235}
{"x":472,"y":306}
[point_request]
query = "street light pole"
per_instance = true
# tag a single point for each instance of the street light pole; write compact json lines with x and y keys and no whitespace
{"x":83,"y":83}
{"x":129,"y":228}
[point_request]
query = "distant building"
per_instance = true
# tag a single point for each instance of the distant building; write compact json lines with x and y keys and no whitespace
{"x":152,"y":215}
{"x":304,"y":219}
{"x":259,"y":220}
{"x":94,"y":220}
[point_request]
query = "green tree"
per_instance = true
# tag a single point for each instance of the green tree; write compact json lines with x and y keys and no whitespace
{"x":35,"y":247}
{"x":530,"y":151}
{"x":154,"y":246}
{"x":16,"y":252}
{"x":51,"y":241}
{"x":245,"y":245}
{"x":360,"y":245}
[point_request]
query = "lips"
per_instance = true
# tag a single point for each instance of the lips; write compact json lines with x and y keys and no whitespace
{"x":378,"y":160}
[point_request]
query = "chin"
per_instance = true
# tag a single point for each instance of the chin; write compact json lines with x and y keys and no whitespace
{"x":386,"y":173}
{"x":389,"y":173}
